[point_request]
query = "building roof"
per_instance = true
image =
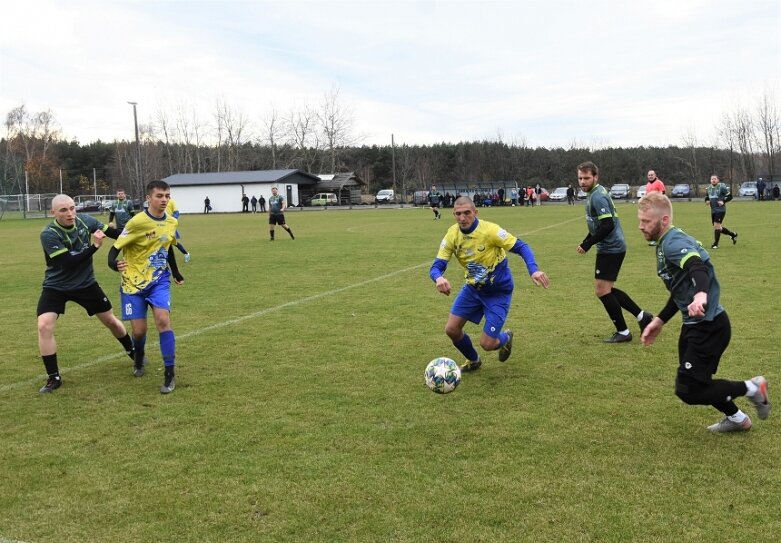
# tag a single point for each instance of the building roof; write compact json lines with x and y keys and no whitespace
{"x":241,"y":178}
{"x":335,"y":182}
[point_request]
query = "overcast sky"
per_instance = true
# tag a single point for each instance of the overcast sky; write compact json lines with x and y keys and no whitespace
{"x":549,"y":73}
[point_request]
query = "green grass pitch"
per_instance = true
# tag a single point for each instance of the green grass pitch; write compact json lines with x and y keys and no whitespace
{"x":300,"y":412}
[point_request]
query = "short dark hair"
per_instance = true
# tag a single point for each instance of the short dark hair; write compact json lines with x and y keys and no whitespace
{"x":152,"y":185}
{"x":588,"y":166}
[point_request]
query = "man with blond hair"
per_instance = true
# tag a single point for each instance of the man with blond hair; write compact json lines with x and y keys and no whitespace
{"x":687,"y":271}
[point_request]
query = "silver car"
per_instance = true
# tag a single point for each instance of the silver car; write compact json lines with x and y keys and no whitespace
{"x":619,"y":191}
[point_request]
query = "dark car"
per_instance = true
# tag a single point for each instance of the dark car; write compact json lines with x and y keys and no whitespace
{"x":88,"y":206}
{"x":619,"y":191}
{"x":681,"y":191}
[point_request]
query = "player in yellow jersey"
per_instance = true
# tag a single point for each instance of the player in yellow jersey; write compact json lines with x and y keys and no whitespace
{"x":147,"y":242}
{"x":481,"y":247}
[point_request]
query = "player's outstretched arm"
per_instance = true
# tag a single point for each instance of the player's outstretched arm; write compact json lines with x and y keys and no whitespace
{"x":174,"y":267}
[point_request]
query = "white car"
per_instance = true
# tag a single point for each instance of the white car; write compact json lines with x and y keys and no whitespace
{"x":640,"y":191}
{"x":748,"y":189}
{"x":558,"y":195}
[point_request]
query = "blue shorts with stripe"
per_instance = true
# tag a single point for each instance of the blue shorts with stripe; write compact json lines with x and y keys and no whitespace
{"x":472,"y":304}
{"x":158,"y":294}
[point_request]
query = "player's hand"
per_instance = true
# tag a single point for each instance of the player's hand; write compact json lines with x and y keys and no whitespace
{"x":121,"y":265}
{"x":540,"y":278}
{"x":97,"y":238}
{"x":651,"y":332}
{"x":698,"y":305}
{"x":581,"y":250}
{"x":443,"y":286}
{"x":179,"y":280}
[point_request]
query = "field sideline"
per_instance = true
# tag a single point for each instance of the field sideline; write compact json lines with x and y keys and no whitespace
{"x":300,"y":412}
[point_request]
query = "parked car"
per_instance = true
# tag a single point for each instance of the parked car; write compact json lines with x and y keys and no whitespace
{"x":325,"y":199}
{"x":420,"y":198}
{"x":619,"y":191}
{"x":582,"y":194}
{"x":748,"y":189}
{"x":640,"y":191}
{"x":559,"y":194}
{"x":105,"y":205}
{"x":385,"y":196}
{"x":681,"y":190}
{"x":88,"y":205}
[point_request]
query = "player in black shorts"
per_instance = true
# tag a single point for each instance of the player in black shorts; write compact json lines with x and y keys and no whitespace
{"x":276,"y":213}
{"x":68,"y":245}
{"x":688,"y":273}
{"x":435,"y":201}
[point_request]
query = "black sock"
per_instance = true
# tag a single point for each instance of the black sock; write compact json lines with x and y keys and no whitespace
{"x":127,"y":344}
{"x":169,"y":372}
{"x":613,"y":309}
{"x":272,"y":234}
{"x":727,"y":232}
{"x":626,"y":302}
{"x":716,"y":237}
{"x":50,"y":363}
{"x":289,"y":231}
{"x":181,"y":248}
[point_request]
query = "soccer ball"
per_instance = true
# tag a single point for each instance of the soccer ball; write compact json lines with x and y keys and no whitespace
{"x":442,"y":375}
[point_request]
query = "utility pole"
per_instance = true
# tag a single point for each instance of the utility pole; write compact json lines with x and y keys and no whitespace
{"x":393,"y":161}
{"x":139,"y":182}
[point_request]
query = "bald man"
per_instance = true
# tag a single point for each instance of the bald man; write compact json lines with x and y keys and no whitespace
{"x":68,"y":245}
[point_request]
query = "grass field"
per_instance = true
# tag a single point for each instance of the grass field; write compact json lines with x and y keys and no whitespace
{"x":300,"y":412}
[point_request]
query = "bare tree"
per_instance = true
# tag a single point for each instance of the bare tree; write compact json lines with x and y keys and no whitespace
{"x":273,"y":134}
{"x":769,"y":126}
{"x":336,"y":122}
{"x":300,"y":128}
{"x":690,"y":142}
{"x":34,"y":133}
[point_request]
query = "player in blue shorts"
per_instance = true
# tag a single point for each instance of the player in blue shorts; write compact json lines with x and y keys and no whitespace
{"x":147,"y":245}
{"x":481,"y":247}
{"x":686,"y":270}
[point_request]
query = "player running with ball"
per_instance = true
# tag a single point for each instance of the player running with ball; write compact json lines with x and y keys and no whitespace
{"x":481,"y":247}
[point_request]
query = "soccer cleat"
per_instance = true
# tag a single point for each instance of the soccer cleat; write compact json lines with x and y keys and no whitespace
{"x":761,"y":400}
{"x":168,"y":385}
{"x":714,"y":246}
{"x":471,"y":366}
{"x":506,"y":349}
{"x":726,"y":425}
{"x":186,"y":257}
{"x":652,"y":243}
{"x":645,"y":321}
{"x":138,"y":371}
{"x":734,"y":238}
{"x":618,"y":338}
{"x":52,"y":384}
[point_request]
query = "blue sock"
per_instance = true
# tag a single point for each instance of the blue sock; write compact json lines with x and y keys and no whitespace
{"x":466,"y":348}
{"x":503,"y":338}
{"x":168,"y":347}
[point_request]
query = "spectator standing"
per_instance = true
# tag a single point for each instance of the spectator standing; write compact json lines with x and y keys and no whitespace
{"x":207,"y":205}
{"x":262,"y":204}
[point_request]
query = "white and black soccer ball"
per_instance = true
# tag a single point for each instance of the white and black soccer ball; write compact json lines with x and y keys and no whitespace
{"x":442,"y":375}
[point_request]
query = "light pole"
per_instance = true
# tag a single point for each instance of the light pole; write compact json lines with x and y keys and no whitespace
{"x":138,"y":149}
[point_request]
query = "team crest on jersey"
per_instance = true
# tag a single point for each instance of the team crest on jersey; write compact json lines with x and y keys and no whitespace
{"x":443,"y":244}
{"x":502,"y":233}
{"x":684,"y":250}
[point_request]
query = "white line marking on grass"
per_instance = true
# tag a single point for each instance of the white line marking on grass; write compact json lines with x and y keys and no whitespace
{"x":262,"y":312}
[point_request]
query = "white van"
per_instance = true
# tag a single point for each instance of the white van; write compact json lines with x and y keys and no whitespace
{"x":386,"y":196}
{"x":325,"y":199}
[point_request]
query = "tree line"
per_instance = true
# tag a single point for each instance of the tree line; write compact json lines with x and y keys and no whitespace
{"x":320,"y":138}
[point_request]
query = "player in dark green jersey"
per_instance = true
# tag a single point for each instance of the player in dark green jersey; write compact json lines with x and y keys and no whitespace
{"x":276,"y":213}
{"x":121,"y":211}
{"x":435,"y":201}
{"x":604,"y":231}
{"x":717,"y":196}
{"x":686,"y":270}
{"x":68,"y":244}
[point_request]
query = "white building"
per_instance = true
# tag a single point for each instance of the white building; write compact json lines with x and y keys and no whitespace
{"x":225,"y":189}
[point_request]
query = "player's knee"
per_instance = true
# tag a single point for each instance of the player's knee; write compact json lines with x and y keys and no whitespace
{"x":453,"y":332}
{"x":687,"y":391}
{"x":489,"y":343}
{"x":45,"y":326}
